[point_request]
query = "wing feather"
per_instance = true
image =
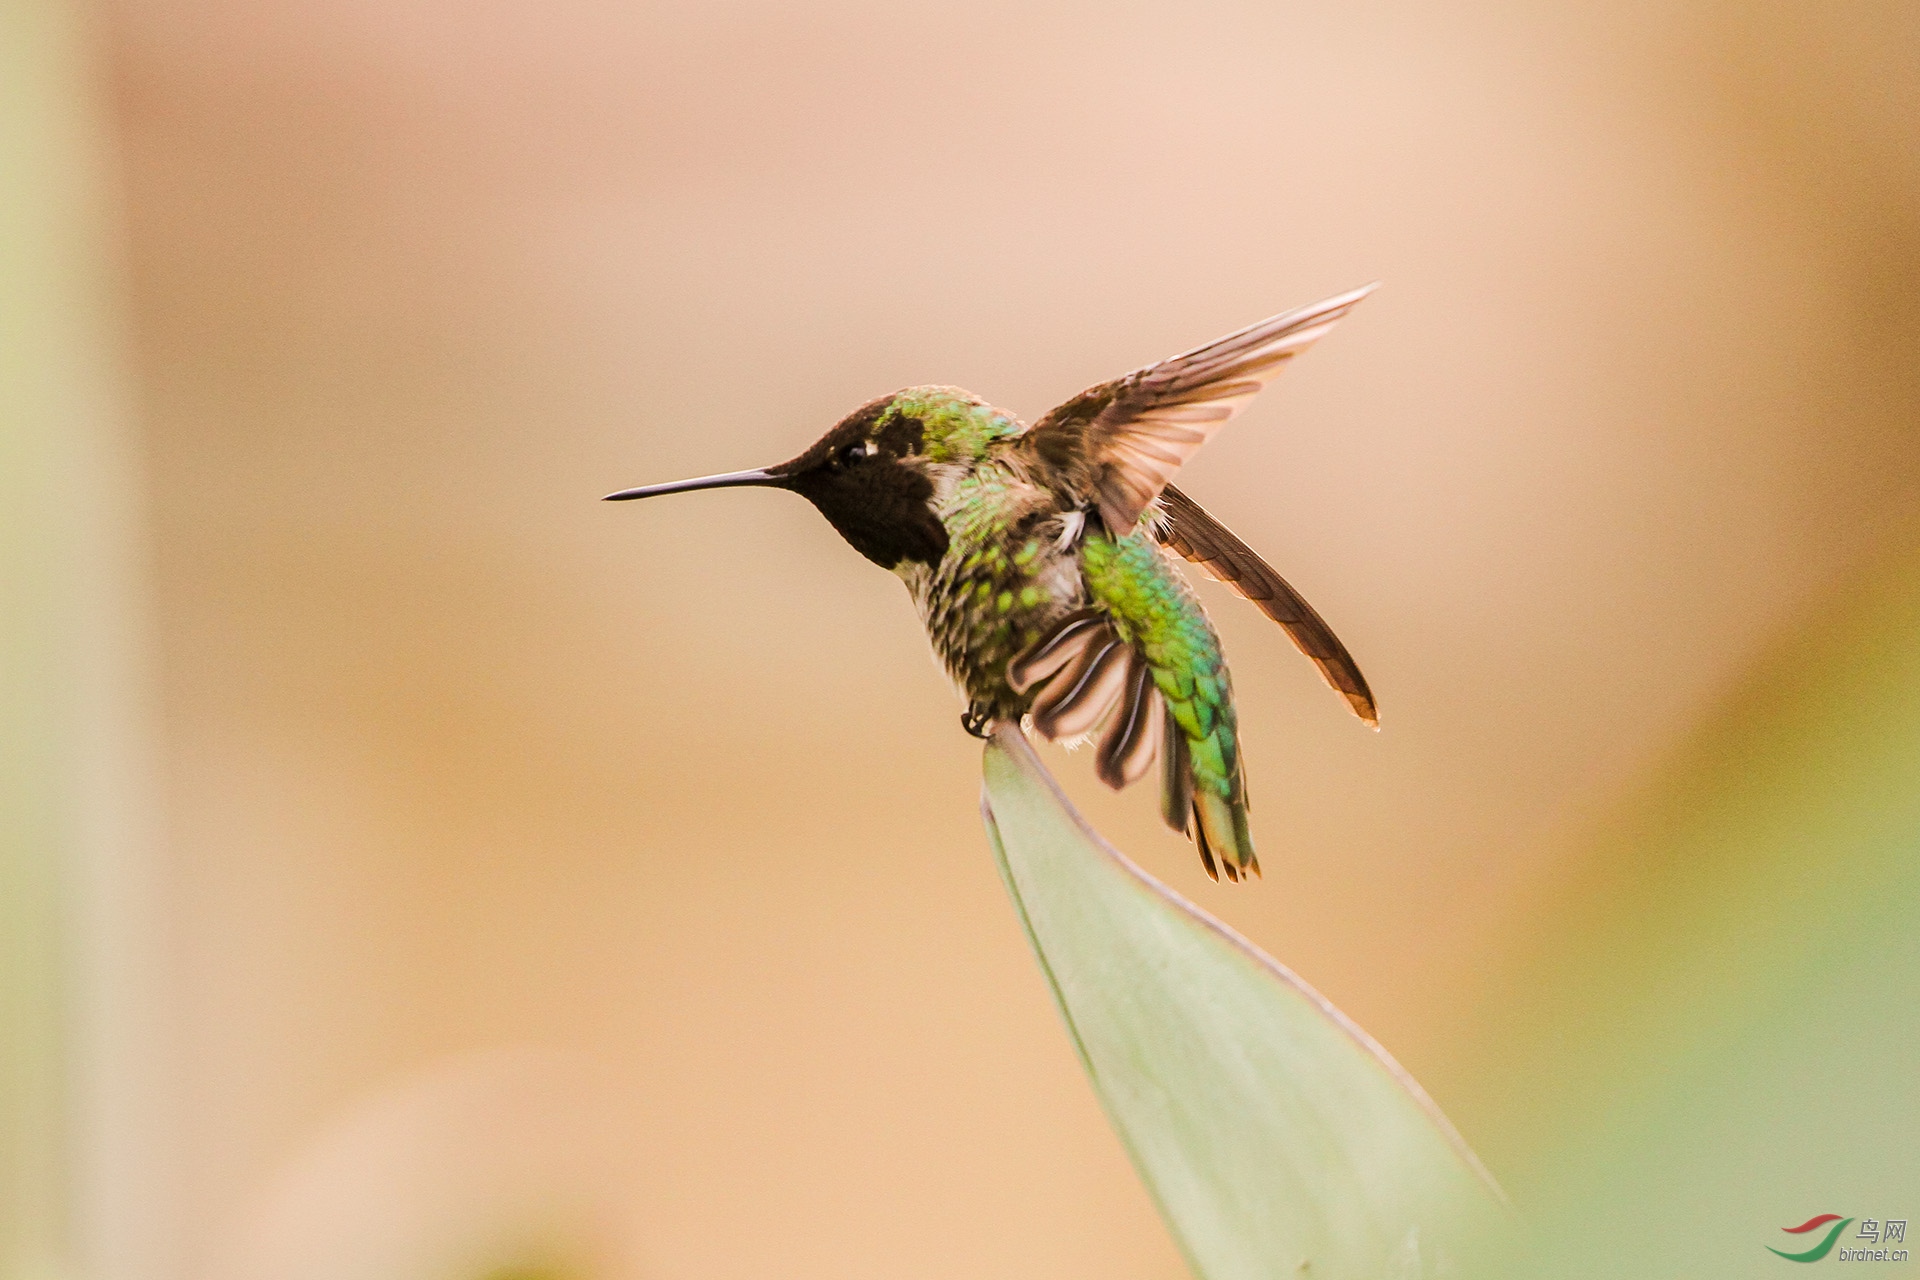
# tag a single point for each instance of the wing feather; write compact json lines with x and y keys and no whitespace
{"x":1198,"y":537}
{"x":1128,"y":437}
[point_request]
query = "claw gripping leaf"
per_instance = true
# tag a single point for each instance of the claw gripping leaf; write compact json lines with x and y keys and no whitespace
{"x":1276,"y":1137}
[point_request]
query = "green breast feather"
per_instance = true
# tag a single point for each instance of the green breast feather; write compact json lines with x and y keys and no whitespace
{"x":996,"y":589}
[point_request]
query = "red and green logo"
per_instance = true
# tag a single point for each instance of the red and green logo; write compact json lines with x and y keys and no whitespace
{"x":1825,"y":1246}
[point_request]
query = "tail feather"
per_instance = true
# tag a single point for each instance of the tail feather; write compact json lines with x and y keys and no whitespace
{"x":1176,"y":780}
{"x":1067,"y":640}
{"x":1197,"y":832}
{"x":1131,"y":741}
{"x":1223,"y":823}
{"x":1079,"y":698}
{"x":1085,"y":677}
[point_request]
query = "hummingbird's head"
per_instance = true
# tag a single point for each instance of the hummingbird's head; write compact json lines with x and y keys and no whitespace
{"x":880,"y":473}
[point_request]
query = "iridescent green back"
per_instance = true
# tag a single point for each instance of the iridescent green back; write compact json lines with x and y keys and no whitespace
{"x":1155,"y":610}
{"x":958,"y":426}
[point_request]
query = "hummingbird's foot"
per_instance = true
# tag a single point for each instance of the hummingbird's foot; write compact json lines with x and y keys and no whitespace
{"x":977,"y":722}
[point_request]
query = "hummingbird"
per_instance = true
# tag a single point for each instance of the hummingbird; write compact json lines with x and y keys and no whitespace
{"x":1042,"y":562}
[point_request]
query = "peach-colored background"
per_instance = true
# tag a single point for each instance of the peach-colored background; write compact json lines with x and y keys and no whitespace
{"x":602,"y":887}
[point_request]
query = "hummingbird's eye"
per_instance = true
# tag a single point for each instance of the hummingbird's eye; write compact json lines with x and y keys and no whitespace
{"x":855,"y":452}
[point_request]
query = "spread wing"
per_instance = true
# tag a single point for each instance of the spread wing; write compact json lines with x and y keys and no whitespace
{"x":1200,"y":538}
{"x":1125,"y":439}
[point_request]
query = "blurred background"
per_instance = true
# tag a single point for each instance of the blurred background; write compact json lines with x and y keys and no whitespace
{"x":415,"y":867}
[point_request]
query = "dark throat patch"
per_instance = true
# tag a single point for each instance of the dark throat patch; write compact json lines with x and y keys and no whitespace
{"x":881,"y":507}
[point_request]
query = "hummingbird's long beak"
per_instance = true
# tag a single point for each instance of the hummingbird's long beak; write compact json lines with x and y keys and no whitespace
{"x":730,"y":480}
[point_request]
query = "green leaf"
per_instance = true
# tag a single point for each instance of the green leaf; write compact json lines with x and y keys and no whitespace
{"x":1276,"y":1137}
